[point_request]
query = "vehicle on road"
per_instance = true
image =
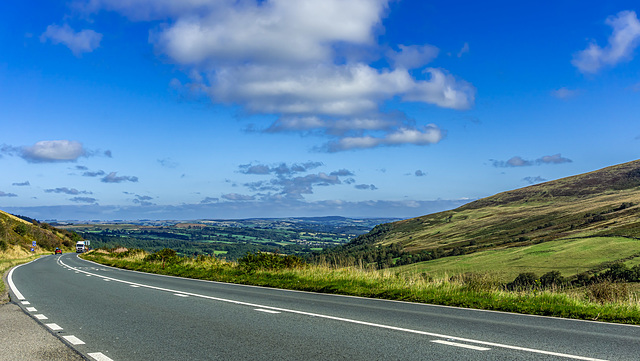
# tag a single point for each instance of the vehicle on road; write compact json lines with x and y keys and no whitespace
{"x":58,"y":251}
{"x":82,"y":246}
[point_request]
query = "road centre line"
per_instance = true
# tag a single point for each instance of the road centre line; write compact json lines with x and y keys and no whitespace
{"x":266,"y":311}
{"x":472,"y":347}
{"x":347,"y":320}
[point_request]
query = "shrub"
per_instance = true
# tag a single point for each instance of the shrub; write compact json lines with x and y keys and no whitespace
{"x":552,"y":279}
{"x":607,"y":292}
{"x":524,"y":281}
{"x":269,"y":261}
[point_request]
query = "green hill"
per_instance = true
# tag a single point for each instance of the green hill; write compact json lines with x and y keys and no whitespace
{"x":17,"y":235}
{"x":601,"y":207}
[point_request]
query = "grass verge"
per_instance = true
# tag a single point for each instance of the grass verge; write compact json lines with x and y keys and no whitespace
{"x":475,"y":292}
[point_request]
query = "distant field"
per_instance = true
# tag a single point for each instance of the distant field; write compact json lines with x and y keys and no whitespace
{"x":569,"y":256}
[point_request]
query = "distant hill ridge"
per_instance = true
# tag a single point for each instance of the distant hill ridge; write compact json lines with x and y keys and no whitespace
{"x":614,"y":178}
{"x":605,"y":203}
{"x":17,"y":233}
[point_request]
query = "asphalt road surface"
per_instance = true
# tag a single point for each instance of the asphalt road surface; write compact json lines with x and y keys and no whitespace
{"x":111,"y":314}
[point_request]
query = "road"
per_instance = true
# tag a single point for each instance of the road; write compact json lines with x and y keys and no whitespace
{"x":112,"y":314}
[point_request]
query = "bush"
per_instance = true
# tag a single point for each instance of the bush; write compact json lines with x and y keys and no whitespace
{"x":524,"y":281}
{"x":269,"y":261}
{"x":607,"y":292}
{"x":552,"y":279}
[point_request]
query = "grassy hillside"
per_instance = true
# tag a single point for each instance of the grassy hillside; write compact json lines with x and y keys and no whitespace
{"x":601,"y":208}
{"x":16,"y":237}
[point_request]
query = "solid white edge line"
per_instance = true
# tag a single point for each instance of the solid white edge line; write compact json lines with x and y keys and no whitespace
{"x":99,"y":356}
{"x":73,"y":340}
{"x":13,"y":287}
{"x":472,"y":347}
{"x":310,"y":314}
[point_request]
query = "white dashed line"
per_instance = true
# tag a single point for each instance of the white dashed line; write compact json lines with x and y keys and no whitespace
{"x":134,"y":286}
{"x":180,"y":295}
{"x":73,"y":340}
{"x":472,"y":347}
{"x":54,"y":326}
{"x":266,"y":311}
{"x":99,"y":356}
{"x":25,"y":302}
{"x":41,"y":317}
{"x":31,"y":309}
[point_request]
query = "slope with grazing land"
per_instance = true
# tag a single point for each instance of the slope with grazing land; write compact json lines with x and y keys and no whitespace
{"x":589,"y":221}
{"x":16,"y":237}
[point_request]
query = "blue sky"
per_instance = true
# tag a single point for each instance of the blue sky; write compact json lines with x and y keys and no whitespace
{"x":159,"y":109}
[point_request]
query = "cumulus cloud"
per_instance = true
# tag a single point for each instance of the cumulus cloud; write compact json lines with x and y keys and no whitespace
{"x":429,"y":134}
{"x":143,"y":200}
{"x":365,"y":187}
{"x":564,"y":93}
{"x":114,"y":178}
{"x":624,"y":39}
{"x":21,"y":184}
{"x":48,"y":151}
{"x":4,"y":194}
{"x":65,"y":190}
{"x":238,"y":197}
{"x":84,"y":41}
{"x":89,"y":200}
{"x":281,"y":169}
{"x":518,"y":161}
{"x":420,"y":173}
{"x":297,"y":60}
{"x":414,"y":56}
{"x":534,"y":180}
{"x":98,"y":173}
{"x":209,"y":200}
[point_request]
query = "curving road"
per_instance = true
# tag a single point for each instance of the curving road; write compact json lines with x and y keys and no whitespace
{"x":112,"y":314}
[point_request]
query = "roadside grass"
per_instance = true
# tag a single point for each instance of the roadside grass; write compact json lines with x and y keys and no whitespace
{"x":481,"y":291}
{"x":569,"y":256}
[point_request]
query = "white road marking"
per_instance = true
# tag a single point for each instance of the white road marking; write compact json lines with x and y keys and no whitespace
{"x":54,"y":326}
{"x":180,"y":295}
{"x":358,"y":322}
{"x":19,"y":295}
{"x":134,"y":286}
{"x":25,"y":302}
{"x":472,"y":347}
{"x":41,"y":317}
{"x":266,"y":311}
{"x":31,"y":309}
{"x":73,"y":340}
{"x":99,"y":356}
{"x":106,"y":280}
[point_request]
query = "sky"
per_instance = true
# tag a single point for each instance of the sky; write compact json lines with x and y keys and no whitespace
{"x":220,"y":109}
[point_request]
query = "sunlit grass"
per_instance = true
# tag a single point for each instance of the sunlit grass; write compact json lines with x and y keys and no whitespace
{"x":482,"y":291}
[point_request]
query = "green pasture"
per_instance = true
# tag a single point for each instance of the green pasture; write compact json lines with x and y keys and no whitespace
{"x":569,"y":256}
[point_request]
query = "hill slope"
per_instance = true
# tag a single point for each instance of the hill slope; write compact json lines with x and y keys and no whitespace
{"x":18,"y":234}
{"x":603,"y":203}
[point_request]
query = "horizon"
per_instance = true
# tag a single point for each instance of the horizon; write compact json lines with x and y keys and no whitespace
{"x":230,"y":110}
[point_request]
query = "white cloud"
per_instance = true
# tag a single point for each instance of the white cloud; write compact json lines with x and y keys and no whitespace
{"x":622,"y":42}
{"x":53,"y":151}
{"x":464,"y":50}
{"x":564,"y":93}
{"x":84,"y":41}
{"x":414,"y":56}
{"x":429,"y":134}
{"x":298,"y":60}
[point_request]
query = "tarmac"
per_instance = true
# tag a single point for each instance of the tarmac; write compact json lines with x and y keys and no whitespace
{"x":23,"y":338}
